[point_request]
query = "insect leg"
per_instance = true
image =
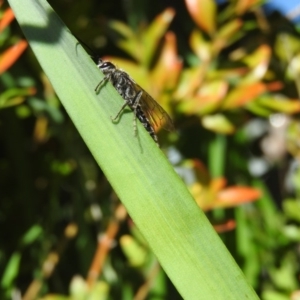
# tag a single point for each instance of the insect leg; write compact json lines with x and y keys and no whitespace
{"x":135,"y":106}
{"x":106,"y":78}
{"x":120,"y":112}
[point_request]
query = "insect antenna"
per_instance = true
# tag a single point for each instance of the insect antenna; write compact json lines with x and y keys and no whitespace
{"x":95,"y":56}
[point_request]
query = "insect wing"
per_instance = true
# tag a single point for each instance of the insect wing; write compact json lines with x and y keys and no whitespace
{"x":156,"y":115}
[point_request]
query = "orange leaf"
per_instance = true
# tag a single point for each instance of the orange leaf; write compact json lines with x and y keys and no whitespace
{"x":203,"y":13}
{"x":274,"y":86}
{"x":210,"y":96}
{"x":243,"y":94}
{"x":243,"y":5}
{"x":236,"y":195}
{"x":6,"y":19}
{"x":154,"y":33}
{"x":11,"y":54}
{"x":166,"y":72}
{"x":229,"y":197}
{"x":217,"y":184}
{"x":207,"y":100}
{"x":228,"y":226}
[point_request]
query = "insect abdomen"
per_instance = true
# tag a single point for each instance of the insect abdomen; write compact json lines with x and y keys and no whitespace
{"x":143,"y":119}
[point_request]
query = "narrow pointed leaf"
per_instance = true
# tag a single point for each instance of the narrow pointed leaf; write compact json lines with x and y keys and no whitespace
{"x":156,"y":198}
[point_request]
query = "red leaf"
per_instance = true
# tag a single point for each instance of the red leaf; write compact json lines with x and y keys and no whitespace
{"x":243,"y":94}
{"x":237,"y":195}
{"x":166,"y":72}
{"x":6,"y":19}
{"x":217,"y":184}
{"x":10,"y":55}
{"x":228,"y":226}
{"x":203,"y":13}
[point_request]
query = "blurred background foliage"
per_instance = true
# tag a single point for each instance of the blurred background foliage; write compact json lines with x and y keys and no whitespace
{"x":228,"y":75}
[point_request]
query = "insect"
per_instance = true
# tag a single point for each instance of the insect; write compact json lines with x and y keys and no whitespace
{"x":144,"y":107}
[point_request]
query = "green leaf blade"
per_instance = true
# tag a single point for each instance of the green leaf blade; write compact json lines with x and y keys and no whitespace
{"x":185,"y":243}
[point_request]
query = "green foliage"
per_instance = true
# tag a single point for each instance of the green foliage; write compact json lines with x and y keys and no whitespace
{"x":233,"y":95}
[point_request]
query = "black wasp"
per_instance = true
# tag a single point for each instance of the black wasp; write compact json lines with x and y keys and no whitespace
{"x":144,"y":107}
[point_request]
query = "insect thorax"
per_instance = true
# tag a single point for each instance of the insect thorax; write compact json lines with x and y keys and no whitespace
{"x":125,"y":87}
{"x":123,"y":84}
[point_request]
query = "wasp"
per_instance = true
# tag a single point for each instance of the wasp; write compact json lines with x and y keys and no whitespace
{"x":144,"y":107}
